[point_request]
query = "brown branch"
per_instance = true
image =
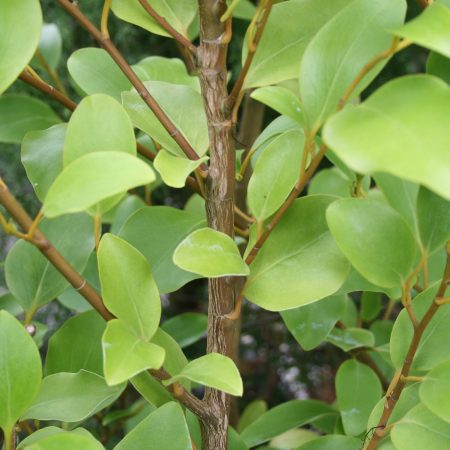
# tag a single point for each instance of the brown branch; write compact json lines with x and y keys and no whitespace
{"x":115,"y":54}
{"x":169,"y":28}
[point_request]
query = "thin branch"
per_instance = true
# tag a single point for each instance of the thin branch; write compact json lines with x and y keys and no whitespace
{"x":169,"y":28}
{"x":104,"y":19}
{"x":115,"y":54}
{"x":51,"y":72}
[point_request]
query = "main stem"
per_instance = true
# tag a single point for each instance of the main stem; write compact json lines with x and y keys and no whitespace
{"x":211,"y":56}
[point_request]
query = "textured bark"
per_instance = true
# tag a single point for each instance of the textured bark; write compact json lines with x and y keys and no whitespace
{"x":211,"y":58}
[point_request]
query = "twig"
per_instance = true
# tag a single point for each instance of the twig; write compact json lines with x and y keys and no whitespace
{"x":51,"y":72}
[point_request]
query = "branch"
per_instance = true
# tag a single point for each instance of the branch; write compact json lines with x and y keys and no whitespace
{"x":169,"y":28}
{"x":108,"y":45}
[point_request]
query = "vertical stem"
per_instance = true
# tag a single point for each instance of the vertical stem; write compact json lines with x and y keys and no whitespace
{"x":219,"y":201}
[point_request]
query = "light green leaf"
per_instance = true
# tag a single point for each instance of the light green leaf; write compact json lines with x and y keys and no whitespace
{"x":431,"y":29}
{"x":72,"y":397}
{"x":31,"y":277}
{"x":163,"y":429}
{"x":213,"y":370}
{"x":179,"y":14}
{"x":291,"y":26}
{"x":175,"y":169}
{"x":156,"y":232}
{"x":293,"y":439}
{"x":128,"y":288}
{"x":439,"y":66}
{"x":310,"y":324}
{"x":20,"y":371}
{"x":20,"y":28}
{"x":280,"y":163}
{"x":375,"y":239}
{"x":186,"y":328}
{"x":93,"y":178}
{"x":182,"y":104}
{"x":125,"y":354}
{"x":67,"y":441}
{"x":151,"y":389}
{"x":9,"y":303}
{"x":292,"y":414}
{"x":331,"y":182}
{"x":77,"y":345}
{"x":42,"y":157}
{"x":299,"y":263}
{"x":253,"y":411}
{"x":94,"y":71}
{"x":351,"y":338}
{"x":124,"y":211}
{"x":333,"y":442}
{"x":358,"y":389}
{"x":389,"y":133}
{"x":329,"y":65}
{"x":211,"y":254}
{"x":20,"y":114}
{"x":50,"y":44}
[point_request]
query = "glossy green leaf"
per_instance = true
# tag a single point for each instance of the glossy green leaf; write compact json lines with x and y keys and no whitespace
{"x":125,"y":354}
{"x":358,"y":389}
{"x":388,"y":132}
{"x":20,"y":371}
{"x":20,"y":114}
{"x":186,"y":328}
{"x":128,"y":288}
{"x":67,"y":441}
{"x":420,"y":429}
{"x":175,"y":169}
{"x":9,"y":303}
{"x":77,"y":345}
{"x":291,"y":26}
{"x":72,"y":397}
{"x":163,"y":429}
{"x":125,"y":210}
{"x":431,"y":29}
{"x":94,"y":71}
{"x":330,"y":182}
{"x":20,"y":28}
{"x":439,"y":66}
{"x":333,"y":442}
{"x":151,"y":389}
{"x":213,"y":370}
{"x":293,"y":439}
{"x":182,"y":104}
{"x":253,"y":411}
{"x":299,"y":263}
{"x":292,"y":414}
{"x":371,"y":305}
{"x":375,"y":239}
{"x":211,"y":254}
{"x":98,"y":124}
{"x":50,"y":44}
{"x":93,"y":178}
{"x":42,"y":157}
{"x":31,"y":277}
{"x":310,"y":324}
{"x":179,"y":14}
{"x":351,"y":338}
{"x":329,"y":65}
{"x":280,"y":163}
{"x":156,"y":232}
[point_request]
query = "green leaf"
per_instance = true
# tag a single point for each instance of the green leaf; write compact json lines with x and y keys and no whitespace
{"x":42,"y":157}
{"x":72,"y":397}
{"x":388,"y":132}
{"x":20,"y":371}
{"x":20,"y":114}
{"x":93,"y":178}
{"x":330,"y":182}
{"x":186,"y":328}
{"x":371,"y":305}
{"x":156,"y":232}
{"x":95,"y":72}
{"x":9,"y":303}
{"x":179,"y":14}
{"x":333,"y":443}
{"x":182,"y":104}
{"x":31,"y":278}
{"x":125,"y":354}
{"x":310,"y":324}
{"x":50,"y":44}
{"x":175,"y":169}
{"x":20,"y":28}
{"x":151,"y":389}
{"x":211,"y":254}
{"x":67,"y":441}
{"x":77,"y":345}
{"x":351,"y":338}
{"x":98,"y":124}
{"x":419,"y":429}
{"x":358,"y":389}
{"x":163,"y":429}
{"x":292,"y":414}
{"x":329,"y":65}
{"x":299,"y":263}
{"x":439,"y":66}
{"x":291,"y":26}
{"x":431,"y":29}
{"x":375,"y":239}
{"x":293,"y":439}
{"x":128,"y":288}
{"x":124,"y":211}
{"x":252,"y":412}
{"x":213,"y":370}
{"x":280,"y":163}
